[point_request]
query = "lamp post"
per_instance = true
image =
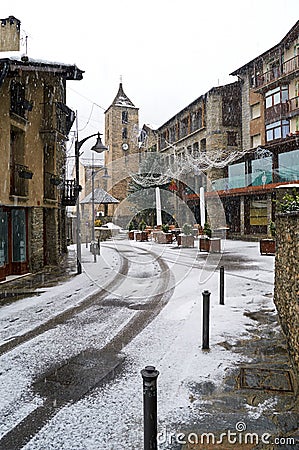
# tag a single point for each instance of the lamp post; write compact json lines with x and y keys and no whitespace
{"x":99,"y":147}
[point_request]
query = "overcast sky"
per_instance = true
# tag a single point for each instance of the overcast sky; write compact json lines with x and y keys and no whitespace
{"x":168,"y":52}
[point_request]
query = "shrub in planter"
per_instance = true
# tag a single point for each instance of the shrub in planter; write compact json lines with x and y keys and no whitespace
{"x":187,"y":229}
{"x":187,"y":238}
{"x":207,"y":230}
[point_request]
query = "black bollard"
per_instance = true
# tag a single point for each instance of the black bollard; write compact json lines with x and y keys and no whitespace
{"x":221,"y":291}
{"x":205,"y":320}
{"x":150,"y":375}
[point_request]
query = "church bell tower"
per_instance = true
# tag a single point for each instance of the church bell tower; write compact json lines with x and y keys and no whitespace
{"x":121,"y":138}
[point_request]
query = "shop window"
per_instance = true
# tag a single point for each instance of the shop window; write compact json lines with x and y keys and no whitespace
{"x":3,"y":238}
{"x":19,"y":235}
{"x":258,"y":212}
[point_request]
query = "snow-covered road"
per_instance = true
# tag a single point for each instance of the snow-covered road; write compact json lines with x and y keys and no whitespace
{"x":110,"y":416}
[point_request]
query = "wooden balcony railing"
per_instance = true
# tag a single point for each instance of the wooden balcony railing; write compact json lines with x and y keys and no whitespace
{"x":286,"y":68}
{"x":293,"y":104}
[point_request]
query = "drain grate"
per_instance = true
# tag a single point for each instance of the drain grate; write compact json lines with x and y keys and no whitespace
{"x":266,"y":379}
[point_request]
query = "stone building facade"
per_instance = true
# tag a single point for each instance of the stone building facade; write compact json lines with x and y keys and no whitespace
{"x":35,"y":122}
{"x":210,"y":125}
{"x":121,"y":138}
{"x":286,"y":296}
{"x":270,"y":128}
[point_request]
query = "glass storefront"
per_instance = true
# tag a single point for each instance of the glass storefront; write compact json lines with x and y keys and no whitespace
{"x":18,"y":235}
{"x":3,"y":238}
{"x":261,"y":170}
{"x":289,"y":166}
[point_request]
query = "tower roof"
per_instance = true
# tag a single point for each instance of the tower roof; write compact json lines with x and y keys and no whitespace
{"x":122,"y":99}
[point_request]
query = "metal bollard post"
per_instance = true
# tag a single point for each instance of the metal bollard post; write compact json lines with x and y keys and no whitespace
{"x":205,"y":320}
{"x":221,"y":291}
{"x":150,"y":375}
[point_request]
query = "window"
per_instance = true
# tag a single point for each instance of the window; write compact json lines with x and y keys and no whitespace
{"x":184,"y":127}
{"x":3,"y":238}
{"x":203,"y":145}
{"x":277,"y":130}
{"x":124,"y":117}
{"x":258,"y":212}
{"x":256,"y":140}
{"x":19,"y":235}
{"x":125,"y":133}
{"x":276,"y":96}
{"x":18,"y":104}
{"x":255,"y":111}
{"x":172,"y":134}
{"x":196,"y":121}
{"x":232,"y":138}
{"x":195,"y":150}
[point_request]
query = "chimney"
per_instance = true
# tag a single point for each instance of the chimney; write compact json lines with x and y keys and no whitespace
{"x":10,"y":34}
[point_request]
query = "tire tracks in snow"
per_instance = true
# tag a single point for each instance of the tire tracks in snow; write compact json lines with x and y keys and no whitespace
{"x":79,"y":375}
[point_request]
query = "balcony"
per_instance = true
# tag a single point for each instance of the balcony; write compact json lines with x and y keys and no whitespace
{"x":57,"y":117}
{"x":19,"y":176}
{"x":51,"y":181}
{"x":277,"y":112}
{"x":293,"y":104}
{"x":70,"y":193}
{"x":284,"y":70}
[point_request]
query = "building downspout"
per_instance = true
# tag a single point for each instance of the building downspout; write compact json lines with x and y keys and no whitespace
{"x":3,"y":73}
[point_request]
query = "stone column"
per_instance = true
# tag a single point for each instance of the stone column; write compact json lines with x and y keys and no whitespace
{"x":36,"y":239}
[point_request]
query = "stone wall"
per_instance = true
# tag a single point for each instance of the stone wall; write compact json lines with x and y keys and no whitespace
{"x":286,"y":295}
{"x":36,"y":239}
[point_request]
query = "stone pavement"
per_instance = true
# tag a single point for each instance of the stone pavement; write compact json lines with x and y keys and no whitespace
{"x":257,"y":407}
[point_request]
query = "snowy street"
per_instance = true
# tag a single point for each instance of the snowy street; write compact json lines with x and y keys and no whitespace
{"x":138,"y":305}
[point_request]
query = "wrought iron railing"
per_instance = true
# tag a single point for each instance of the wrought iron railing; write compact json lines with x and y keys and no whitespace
{"x":70,"y":192}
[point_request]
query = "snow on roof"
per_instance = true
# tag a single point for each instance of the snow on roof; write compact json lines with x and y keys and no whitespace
{"x":121,"y":99}
{"x":17,"y":56}
{"x":100,"y":197}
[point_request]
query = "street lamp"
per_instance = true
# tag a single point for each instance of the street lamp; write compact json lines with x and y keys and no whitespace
{"x":99,"y":147}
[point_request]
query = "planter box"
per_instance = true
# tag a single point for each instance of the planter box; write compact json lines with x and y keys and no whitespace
{"x":141,"y":236}
{"x":212,"y":245}
{"x":131,"y":235}
{"x":267,"y":246}
{"x":187,"y":241}
{"x":204,"y":244}
{"x":164,"y":238}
